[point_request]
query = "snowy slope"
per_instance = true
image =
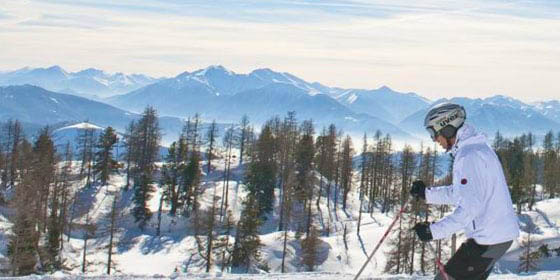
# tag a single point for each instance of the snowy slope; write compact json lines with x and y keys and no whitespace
{"x":143,"y":255}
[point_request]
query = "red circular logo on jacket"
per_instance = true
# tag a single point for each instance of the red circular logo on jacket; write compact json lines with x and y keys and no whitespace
{"x":464,"y":181}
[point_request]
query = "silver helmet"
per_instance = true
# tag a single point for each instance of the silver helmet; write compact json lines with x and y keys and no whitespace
{"x":445,"y":119}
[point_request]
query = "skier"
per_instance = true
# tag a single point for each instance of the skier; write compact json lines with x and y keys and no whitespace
{"x":479,"y":191}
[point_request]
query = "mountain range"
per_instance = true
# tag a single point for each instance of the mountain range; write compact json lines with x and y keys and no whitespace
{"x":221,"y":94}
{"x":90,"y":83}
{"x":36,"y":107}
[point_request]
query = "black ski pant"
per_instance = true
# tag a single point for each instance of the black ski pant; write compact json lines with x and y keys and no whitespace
{"x":474,"y":261}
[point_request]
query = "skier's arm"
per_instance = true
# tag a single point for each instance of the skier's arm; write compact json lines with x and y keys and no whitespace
{"x":468,"y":192}
{"x":441,"y":195}
{"x":446,"y":194}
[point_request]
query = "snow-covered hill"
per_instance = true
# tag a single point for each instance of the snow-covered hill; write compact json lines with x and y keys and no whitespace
{"x":143,"y":255}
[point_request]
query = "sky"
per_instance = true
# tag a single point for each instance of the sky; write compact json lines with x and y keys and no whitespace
{"x":436,"y":48}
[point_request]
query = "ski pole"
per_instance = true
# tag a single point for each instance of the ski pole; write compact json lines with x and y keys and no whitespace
{"x":403,"y":208}
{"x":439,"y":265}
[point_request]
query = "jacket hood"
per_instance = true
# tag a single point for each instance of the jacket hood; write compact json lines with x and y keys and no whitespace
{"x":466,"y":135}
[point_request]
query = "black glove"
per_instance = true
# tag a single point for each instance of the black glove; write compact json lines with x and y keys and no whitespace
{"x":423,"y":231}
{"x":418,"y":190}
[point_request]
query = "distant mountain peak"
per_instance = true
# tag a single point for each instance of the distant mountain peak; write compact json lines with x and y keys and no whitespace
{"x":55,"y":67}
{"x":213,"y":69}
{"x":385,"y":88}
{"x":91,"y":71}
{"x":264,"y":70}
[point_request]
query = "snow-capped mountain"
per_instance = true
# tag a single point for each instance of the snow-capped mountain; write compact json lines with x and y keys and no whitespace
{"x":217,"y":93}
{"x":549,"y":109}
{"x":497,"y":113}
{"x":383,"y":103}
{"x":91,"y":83}
{"x":279,"y":98}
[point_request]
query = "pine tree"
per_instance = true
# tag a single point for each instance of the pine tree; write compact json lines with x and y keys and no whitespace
{"x":13,"y":138}
{"x":89,"y":232}
{"x":260,"y":177}
{"x":287,"y":134}
{"x":550,"y":166}
{"x":54,"y":229}
{"x":192,"y":172}
{"x":363,"y":180}
{"x":228,"y":142}
{"x":191,"y":179}
{"x":171,"y":176}
{"x":310,"y":249}
{"x":399,"y":258}
{"x":105,"y":165}
{"x":131,"y":146}
{"x":205,"y":225}
{"x":528,"y":260}
{"x":22,"y":247}
{"x":305,"y":153}
{"x":112,"y":227}
{"x":146,"y":151}
{"x":65,"y":177}
{"x":223,"y":243}
{"x":44,"y":170}
{"x":86,"y":145}
{"x":246,"y":255}
{"x":210,"y":151}
{"x":346,"y":169}
{"x":23,"y":243}
{"x":244,"y":137}
{"x":112,"y":230}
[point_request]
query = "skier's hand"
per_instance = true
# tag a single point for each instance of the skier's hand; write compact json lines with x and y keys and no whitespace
{"x":418,"y":190}
{"x":423,"y":231}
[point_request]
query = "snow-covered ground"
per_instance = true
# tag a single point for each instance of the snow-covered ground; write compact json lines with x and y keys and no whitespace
{"x":143,"y":255}
{"x":541,"y":275}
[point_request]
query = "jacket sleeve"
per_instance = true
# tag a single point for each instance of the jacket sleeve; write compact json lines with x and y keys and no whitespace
{"x":467,"y":192}
{"x":446,"y":194}
{"x":441,"y":195}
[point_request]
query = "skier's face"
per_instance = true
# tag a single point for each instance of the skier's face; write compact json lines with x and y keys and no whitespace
{"x":442,"y":142}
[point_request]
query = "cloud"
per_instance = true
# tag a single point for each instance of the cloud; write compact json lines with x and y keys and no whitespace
{"x":68,"y":21}
{"x":437,"y":48}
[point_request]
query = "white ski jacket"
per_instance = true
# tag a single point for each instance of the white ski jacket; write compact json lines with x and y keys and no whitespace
{"x":479,"y":191}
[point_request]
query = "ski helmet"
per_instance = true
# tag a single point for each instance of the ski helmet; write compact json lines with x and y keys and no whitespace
{"x":445,"y":119}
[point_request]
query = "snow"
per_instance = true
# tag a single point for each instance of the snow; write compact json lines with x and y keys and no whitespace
{"x":352,"y":98}
{"x":82,"y":125}
{"x":542,"y":275}
{"x":143,"y":255}
{"x":54,"y":100}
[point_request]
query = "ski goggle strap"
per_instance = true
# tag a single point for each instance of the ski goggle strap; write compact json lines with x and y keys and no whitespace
{"x":432,"y":132}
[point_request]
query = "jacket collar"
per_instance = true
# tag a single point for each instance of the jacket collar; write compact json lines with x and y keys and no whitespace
{"x":466,"y":135}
